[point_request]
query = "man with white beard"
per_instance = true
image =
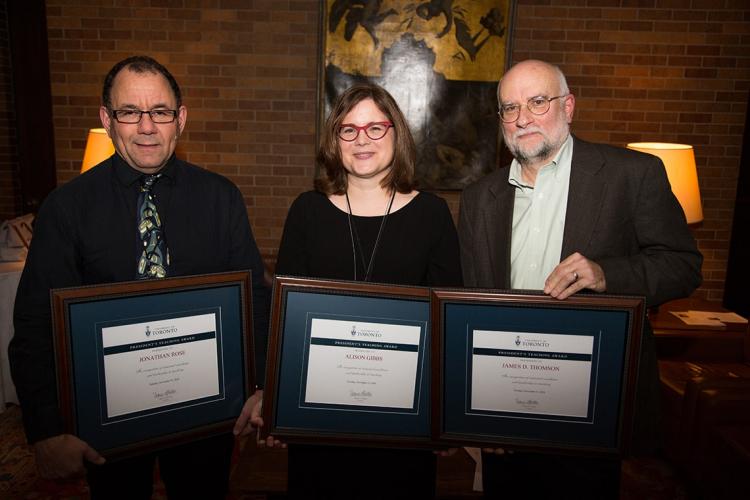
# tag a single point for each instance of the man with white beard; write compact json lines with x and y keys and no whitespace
{"x":566,"y":216}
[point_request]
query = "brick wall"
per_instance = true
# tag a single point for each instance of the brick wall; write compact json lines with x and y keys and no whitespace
{"x":10,"y":201}
{"x":666,"y":70}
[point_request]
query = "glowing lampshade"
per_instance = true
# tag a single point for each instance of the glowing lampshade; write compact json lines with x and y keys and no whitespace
{"x":679,"y":160}
{"x":98,"y":148}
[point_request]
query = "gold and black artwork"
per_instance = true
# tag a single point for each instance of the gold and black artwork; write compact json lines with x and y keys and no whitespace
{"x":440,"y":60}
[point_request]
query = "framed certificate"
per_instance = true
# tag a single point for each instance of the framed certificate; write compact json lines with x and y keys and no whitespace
{"x":147,"y":364}
{"x":349,"y":363}
{"x":530,"y":371}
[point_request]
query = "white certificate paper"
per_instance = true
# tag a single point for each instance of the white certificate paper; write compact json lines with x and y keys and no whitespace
{"x":531,"y":373}
{"x":158,"y":363}
{"x":362,"y":363}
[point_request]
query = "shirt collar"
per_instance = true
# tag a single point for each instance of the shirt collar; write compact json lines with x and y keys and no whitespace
{"x":127,"y":175}
{"x":515,"y":176}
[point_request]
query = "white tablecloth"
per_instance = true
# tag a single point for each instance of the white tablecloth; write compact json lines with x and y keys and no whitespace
{"x":10,"y":274}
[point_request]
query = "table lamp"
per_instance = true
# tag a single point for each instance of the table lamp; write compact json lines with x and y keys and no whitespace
{"x":98,"y":148}
{"x":679,"y":161}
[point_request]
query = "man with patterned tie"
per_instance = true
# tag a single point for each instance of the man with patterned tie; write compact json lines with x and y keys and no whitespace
{"x":141,"y":214}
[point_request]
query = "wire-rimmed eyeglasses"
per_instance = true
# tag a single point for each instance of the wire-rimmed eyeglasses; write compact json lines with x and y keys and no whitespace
{"x":131,"y":116}
{"x":374,"y":130}
{"x":537,"y":105}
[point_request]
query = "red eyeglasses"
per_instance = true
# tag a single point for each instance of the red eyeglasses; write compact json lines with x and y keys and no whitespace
{"x":374,"y":130}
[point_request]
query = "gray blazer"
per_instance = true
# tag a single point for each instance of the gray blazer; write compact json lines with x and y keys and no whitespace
{"x":621,"y":214}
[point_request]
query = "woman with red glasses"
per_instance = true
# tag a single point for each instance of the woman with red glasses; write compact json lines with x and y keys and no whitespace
{"x":365,"y":221}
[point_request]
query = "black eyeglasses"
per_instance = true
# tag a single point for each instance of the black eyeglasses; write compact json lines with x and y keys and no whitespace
{"x":538,"y":105}
{"x":131,"y":116}
{"x":374,"y":130}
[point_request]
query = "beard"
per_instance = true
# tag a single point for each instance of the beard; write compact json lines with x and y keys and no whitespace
{"x":544,"y":150}
{"x":539,"y":153}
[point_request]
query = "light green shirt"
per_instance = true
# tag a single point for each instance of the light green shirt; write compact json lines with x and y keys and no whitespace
{"x":539,"y":220}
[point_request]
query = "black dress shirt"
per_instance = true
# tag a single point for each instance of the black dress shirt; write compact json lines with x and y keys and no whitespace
{"x":86,"y":233}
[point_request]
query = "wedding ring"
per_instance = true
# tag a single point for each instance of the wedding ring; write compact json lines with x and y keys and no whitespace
{"x":575,"y":276}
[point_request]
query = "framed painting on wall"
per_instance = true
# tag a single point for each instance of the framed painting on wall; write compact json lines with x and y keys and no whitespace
{"x":440,"y":59}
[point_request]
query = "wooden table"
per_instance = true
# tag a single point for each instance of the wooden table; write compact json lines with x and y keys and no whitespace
{"x":677,"y":340}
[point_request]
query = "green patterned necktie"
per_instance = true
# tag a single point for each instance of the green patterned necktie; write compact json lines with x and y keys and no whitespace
{"x":154,"y":258}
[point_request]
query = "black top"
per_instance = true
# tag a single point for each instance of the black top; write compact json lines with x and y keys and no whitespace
{"x":419,"y":245}
{"x":86,"y":234}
